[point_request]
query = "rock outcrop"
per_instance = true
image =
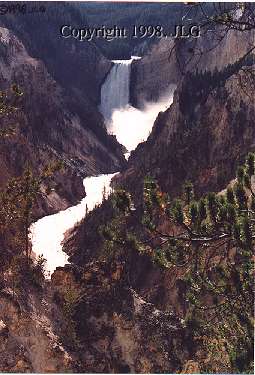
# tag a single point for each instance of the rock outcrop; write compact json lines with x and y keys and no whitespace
{"x":168,"y":60}
{"x":52,"y":124}
{"x":28,"y":339}
{"x":117,"y":330}
{"x":88,"y":319}
{"x":201,"y":140}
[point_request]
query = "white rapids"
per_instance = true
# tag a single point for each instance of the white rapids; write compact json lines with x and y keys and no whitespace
{"x":47,"y":233}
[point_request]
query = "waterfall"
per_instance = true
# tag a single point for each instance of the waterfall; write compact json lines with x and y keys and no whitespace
{"x":129,"y":124}
{"x":115,"y":90}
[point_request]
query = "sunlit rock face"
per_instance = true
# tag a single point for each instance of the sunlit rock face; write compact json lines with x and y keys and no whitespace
{"x":152,"y":75}
{"x":28,"y":339}
{"x":167,"y":61}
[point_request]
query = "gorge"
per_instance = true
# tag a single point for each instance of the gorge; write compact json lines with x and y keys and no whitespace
{"x":135,"y":178}
{"x":130,"y":126}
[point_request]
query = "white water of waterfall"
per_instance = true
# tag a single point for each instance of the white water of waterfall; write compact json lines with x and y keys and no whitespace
{"x":133,"y":126}
{"x":115,"y":91}
{"x":130,"y":125}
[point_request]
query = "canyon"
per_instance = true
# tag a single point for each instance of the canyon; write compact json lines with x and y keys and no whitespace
{"x":115,"y":108}
{"x":112,"y":123}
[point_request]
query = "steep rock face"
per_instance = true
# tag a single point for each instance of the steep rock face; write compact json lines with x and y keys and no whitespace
{"x":202,"y":141}
{"x":52,"y":124}
{"x":153,"y":74}
{"x":168,"y":60}
{"x":164,"y":288}
{"x":28,"y":339}
{"x":118,"y":331}
{"x":77,"y":66}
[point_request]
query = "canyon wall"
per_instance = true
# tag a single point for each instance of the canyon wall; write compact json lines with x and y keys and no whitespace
{"x":77,"y":66}
{"x":205,"y":133}
{"x":52,"y":124}
{"x":113,"y":310}
{"x":202,"y":141}
{"x":168,"y":60}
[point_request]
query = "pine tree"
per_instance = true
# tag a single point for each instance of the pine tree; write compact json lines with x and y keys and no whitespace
{"x":213,"y":239}
{"x":213,"y":228}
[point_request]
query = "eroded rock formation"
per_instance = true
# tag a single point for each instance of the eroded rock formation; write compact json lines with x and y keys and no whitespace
{"x":199,"y":140}
{"x":52,"y":124}
{"x":117,"y":330}
{"x":168,"y":60}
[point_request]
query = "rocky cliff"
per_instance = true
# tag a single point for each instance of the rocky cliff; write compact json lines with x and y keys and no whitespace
{"x":168,"y":60}
{"x":202,"y":136}
{"x":77,"y":66}
{"x":88,"y":320}
{"x":114,"y":310}
{"x":52,"y":124}
{"x":117,"y":330}
{"x":28,"y":338}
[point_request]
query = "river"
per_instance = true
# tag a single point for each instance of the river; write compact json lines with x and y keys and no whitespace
{"x":131,"y":126}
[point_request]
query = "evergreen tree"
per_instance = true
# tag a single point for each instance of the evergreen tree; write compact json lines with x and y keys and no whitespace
{"x":215,"y":239}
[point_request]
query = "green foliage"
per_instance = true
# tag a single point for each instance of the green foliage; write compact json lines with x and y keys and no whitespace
{"x":240,"y":174}
{"x":70,"y":299}
{"x":202,"y":209}
{"x":17,"y":202}
{"x":188,"y":192}
{"x":9,"y":101}
{"x":240,"y":194}
{"x":18,"y":198}
{"x":22,"y":273}
{"x":213,"y":207}
{"x":194,"y":213}
{"x":250,"y":162}
{"x":214,"y":238}
{"x":122,"y":201}
{"x":230,"y":195}
{"x":178,"y":211}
